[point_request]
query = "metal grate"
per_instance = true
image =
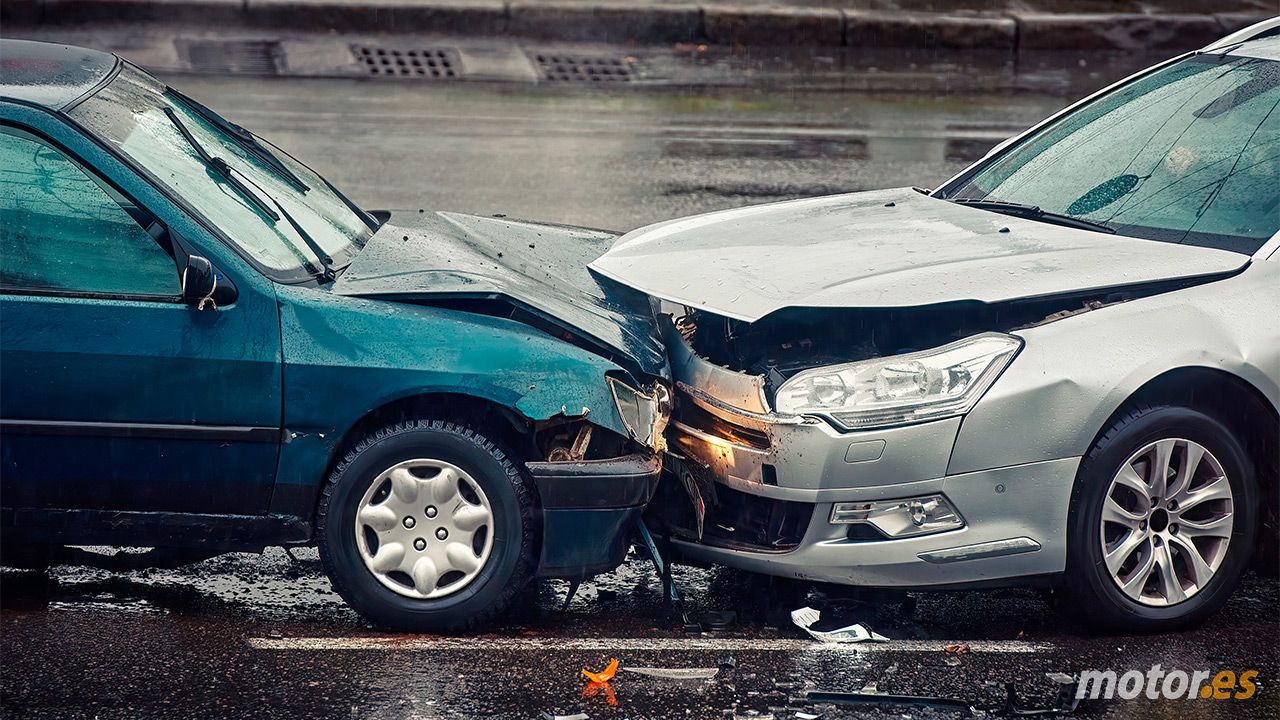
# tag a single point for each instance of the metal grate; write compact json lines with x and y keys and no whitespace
{"x":413,"y":63}
{"x":582,"y":68}
{"x":252,"y":57}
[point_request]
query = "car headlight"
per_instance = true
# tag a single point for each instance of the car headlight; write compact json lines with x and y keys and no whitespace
{"x":918,"y":386}
{"x":645,"y":416}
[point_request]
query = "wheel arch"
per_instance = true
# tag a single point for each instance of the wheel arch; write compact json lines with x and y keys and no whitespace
{"x":1246,"y":411}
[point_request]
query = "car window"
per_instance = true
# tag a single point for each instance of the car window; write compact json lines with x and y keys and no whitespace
{"x":64,"y":230}
{"x":1188,"y":154}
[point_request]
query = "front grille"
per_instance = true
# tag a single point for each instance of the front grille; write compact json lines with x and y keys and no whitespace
{"x":733,"y":519}
{"x":422,"y":63}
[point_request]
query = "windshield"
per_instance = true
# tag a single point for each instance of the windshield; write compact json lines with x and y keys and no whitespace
{"x":1187,"y":154}
{"x":129,"y":113}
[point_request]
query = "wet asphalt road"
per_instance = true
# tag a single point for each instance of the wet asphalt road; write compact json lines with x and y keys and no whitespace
{"x":263,"y":636}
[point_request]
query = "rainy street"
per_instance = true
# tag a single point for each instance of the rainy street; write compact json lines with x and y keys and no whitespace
{"x":264,"y":636}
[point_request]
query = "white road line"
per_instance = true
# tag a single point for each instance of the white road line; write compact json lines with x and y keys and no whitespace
{"x":417,"y":643}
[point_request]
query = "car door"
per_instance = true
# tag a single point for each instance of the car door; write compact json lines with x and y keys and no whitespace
{"x":114,"y":393}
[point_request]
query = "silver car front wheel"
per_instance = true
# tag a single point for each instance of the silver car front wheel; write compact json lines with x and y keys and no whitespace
{"x":1166,"y":522}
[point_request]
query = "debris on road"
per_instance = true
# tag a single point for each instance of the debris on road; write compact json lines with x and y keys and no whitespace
{"x":575,"y":716}
{"x":1066,"y":701}
{"x":806,"y":617}
{"x":955,"y":651}
{"x":875,"y":698}
{"x":675,"y":673}
{"x":605,"y":675}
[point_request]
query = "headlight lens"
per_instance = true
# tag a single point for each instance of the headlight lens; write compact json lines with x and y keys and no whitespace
{"x":925,"y":385}
{"x":645,"y":416}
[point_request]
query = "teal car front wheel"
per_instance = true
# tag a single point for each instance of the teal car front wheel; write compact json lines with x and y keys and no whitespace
{"x":427,"y":526}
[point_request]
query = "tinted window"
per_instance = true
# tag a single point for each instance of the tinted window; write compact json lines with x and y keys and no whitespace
{"x":1188,"y":154}
{"x":64,"y":230}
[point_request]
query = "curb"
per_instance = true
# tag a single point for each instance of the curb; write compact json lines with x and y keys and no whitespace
{"x":620,"y":21}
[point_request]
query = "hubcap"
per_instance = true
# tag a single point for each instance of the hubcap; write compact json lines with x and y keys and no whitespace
{"x":1166,"y":522}
{"x":424,"y":528}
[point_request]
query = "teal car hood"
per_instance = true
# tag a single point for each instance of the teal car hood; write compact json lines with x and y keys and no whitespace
{"x":538,"y":270}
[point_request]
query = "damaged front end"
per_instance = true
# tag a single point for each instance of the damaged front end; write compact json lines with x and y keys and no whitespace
{"x":594,"y":482}
{"x":777,"y":421}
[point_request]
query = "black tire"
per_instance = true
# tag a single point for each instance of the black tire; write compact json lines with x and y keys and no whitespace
{"x":511,"y":561}
{"x":1089,"y":592}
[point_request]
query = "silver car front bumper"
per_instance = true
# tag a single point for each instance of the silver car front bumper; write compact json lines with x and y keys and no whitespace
{"x":724,"y":436}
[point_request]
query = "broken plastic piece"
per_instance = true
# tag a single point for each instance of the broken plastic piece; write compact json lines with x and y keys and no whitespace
{"x":675,"y":673}
{"x":863,"y":698}
{"x":575,"y":716}
{"x":802,"y":715}
{"x":806,"y":617}
{"x":604,"y":675}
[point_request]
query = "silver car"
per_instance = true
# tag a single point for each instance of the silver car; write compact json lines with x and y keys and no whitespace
{"x":1061,"y":366}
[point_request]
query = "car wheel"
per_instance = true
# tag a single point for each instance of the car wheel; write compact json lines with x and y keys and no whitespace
{"x":427,"y":526}
{"x":1162,"y":521}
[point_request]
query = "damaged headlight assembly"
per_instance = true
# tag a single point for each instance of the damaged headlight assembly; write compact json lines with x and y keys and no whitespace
{"x":926,"y":385}
{"x":645,"y":416}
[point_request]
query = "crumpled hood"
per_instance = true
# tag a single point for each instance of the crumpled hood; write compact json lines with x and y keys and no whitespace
{"x":538,"y":268}
{"x":887,"y":248}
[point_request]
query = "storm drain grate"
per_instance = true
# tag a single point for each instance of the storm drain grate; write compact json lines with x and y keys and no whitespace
{"x":251,"y":57}
{"x":413,"y":63}
{"x":581,"y":68}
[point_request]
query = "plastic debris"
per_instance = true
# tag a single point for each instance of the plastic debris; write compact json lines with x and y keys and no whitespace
{"x":604,"y":675}
{"x":674,"y":673}
{"x":802,"y":715}
{"x":806,"y":617}
{"x":718,"y":619}
{"x":575,"y":716}
{"x":958,"y":649}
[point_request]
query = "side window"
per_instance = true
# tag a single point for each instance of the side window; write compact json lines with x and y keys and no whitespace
{"x":62,"y":229}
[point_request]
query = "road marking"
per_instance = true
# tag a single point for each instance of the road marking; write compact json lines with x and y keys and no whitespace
{"x":415,"y":643}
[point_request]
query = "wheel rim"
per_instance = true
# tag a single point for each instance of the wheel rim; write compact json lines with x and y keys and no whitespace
{"x":424,"y":528}
{"x":1166,"y":522}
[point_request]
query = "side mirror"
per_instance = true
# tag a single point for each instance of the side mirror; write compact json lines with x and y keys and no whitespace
{"x":199,"y":283}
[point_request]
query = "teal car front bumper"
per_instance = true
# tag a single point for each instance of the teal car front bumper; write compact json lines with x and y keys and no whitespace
{"x":589,"y":508}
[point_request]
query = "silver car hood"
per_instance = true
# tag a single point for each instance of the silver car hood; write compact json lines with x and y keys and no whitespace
{"x":887,"y":248}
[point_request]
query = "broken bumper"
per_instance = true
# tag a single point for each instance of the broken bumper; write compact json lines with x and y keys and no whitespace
{"x":756,"y":490}
{"x":589,"y":508}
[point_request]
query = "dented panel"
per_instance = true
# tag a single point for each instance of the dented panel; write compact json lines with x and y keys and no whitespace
{"x":883,"y":249}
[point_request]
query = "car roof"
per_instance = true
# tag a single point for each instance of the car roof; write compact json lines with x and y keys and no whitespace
{"x":50,"y":74}
{"x":1258,"y":40}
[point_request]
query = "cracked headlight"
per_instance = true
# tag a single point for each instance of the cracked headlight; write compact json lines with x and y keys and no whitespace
{"x":644,"y":415}
{"x":925,"y":385}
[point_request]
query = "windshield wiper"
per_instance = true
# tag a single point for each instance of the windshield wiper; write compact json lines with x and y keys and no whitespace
{"x":1033,"y":212}
{"x":227,"y":173}
{"x":220,"y":166}
{"x":244,"y":137}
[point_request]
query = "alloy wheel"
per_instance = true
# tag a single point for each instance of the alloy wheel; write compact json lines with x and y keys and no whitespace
{"x":424,"y":528}
{"x":1166,"y":522}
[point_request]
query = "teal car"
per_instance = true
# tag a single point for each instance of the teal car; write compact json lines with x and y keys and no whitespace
{"x":206,"y":347}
